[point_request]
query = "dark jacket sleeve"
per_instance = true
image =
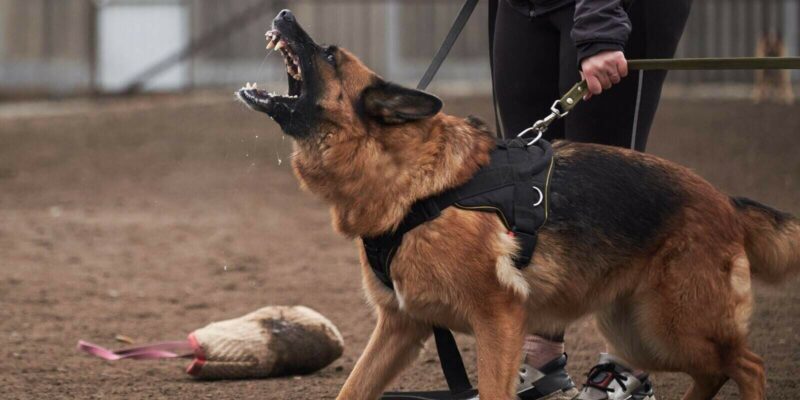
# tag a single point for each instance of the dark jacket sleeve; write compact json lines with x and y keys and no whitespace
{"x":599,"y":25}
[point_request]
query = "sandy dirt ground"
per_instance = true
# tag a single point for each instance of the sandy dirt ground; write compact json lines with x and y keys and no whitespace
{"x":152,"y":216}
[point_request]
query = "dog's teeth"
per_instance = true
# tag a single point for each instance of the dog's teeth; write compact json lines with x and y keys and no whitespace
{"x":280,"y":45}
{"x":255,"y":85}
{"x":270,"y":45}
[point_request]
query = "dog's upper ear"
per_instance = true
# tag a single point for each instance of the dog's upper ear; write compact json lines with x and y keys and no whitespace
{"x":395,"y":104}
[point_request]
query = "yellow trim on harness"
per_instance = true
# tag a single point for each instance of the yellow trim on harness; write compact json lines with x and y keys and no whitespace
{"x":485,"y":208}
{"x":547,"y":190}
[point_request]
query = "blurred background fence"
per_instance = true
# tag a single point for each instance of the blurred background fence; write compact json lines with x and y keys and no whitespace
{"x":62,"y":47}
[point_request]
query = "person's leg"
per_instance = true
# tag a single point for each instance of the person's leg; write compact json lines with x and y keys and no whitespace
{"x":541,"y":349}
{"x":525,"y":73}
{"x":623,"y":115}
{"x":525,"y":70}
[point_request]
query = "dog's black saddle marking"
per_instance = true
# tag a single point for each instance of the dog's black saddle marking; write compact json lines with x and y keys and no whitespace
{"x":514,"y":185}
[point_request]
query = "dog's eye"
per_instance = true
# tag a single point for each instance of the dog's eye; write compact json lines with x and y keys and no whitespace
{"x":329,"y":55}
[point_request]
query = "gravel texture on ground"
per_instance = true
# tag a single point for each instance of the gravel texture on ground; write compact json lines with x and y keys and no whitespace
{"x":153,"y":216}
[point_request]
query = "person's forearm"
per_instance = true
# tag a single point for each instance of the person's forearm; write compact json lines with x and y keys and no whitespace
{"x":600,"y":25}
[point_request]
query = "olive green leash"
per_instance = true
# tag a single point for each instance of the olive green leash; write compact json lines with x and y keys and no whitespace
{"x":566,"y":103}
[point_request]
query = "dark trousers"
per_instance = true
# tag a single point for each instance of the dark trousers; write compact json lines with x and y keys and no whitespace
{"x":534,"y":62}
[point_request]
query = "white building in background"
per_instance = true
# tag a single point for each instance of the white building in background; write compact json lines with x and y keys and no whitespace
{"x":133,"y":35}
{"x":56,"y":47}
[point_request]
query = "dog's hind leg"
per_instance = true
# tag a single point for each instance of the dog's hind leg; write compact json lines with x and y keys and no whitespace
{"x":705,"y":387}
{"x":747,"y":370}
{"x":395,"y":343}
{"x":499,"y":335}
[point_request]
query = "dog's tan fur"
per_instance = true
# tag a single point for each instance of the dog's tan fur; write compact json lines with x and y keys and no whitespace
{"x":681,"y":304}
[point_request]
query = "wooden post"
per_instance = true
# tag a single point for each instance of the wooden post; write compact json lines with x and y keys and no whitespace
{"x":91,"y":40}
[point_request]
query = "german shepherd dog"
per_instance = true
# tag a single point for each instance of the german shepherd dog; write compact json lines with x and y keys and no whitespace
{"x":772,"y":85}
{"x":659,"y":256}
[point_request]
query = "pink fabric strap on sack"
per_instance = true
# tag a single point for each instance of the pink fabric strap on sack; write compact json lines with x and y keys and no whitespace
{"x":174,"y":349}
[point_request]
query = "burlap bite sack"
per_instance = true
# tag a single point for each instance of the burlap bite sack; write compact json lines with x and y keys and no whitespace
{"x":272,"y":341}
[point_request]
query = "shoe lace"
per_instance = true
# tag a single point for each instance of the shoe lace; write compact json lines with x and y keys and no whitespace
{"x":609,"y":373}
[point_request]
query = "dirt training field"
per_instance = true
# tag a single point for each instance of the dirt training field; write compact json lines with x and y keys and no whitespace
{"x":152,"y":216}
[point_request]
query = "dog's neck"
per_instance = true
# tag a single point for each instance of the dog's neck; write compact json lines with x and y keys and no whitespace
{"x":372,"y":180}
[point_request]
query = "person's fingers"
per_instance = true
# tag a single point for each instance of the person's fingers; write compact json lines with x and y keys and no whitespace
{"x":605,"y":81}
{"x":610,"y":73}
{"x":614,"y":77}
{"x":594,"y":84}
{"x":588,"y":94}
{"x":622,"y":67}
{"x":603,"y":70}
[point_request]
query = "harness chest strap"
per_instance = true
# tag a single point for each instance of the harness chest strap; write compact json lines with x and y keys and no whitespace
{"x":514,"y":185}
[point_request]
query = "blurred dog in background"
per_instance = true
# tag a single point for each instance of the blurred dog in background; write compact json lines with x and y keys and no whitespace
{"x":772,"y":85}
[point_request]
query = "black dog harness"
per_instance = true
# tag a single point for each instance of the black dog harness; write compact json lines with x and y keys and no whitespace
{"x":514,"y":185}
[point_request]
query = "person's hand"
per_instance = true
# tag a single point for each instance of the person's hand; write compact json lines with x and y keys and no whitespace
{"x":602,"y":70}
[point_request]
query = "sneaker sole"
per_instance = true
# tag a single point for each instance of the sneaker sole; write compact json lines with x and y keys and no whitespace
{"x":568,"y":394}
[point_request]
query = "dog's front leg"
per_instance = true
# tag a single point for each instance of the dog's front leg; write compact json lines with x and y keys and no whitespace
{"x":499,"y":334}
{"x":395,"y":342}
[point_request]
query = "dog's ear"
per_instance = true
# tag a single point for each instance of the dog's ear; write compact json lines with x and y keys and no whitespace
{"x":394,"y":104}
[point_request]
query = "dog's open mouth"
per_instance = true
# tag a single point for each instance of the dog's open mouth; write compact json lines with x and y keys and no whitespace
{"x":267,"y":101}
{"x":277,"y":43}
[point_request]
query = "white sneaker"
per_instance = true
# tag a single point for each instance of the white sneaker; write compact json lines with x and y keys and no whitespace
{"x":611,"y":379}
{"x":550,"y":382}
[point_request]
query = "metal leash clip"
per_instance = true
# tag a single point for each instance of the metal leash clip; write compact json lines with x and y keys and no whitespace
{"x":558,"y":110}
{"x":541,"y":125}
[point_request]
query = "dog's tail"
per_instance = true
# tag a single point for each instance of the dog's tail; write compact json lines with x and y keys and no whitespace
{"x":772,"y":240}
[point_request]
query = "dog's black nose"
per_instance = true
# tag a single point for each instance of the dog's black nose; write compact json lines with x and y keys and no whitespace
{"x":285,"y":15}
